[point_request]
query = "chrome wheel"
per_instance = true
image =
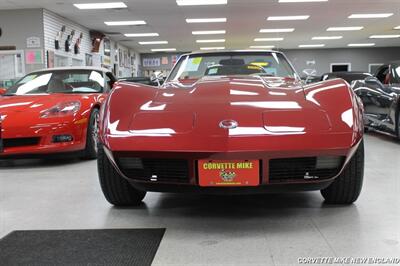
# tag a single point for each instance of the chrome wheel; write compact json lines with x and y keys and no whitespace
{"x":95,"y":131}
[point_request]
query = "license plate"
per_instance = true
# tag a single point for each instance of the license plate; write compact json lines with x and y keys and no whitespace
{"x":229,"y":173}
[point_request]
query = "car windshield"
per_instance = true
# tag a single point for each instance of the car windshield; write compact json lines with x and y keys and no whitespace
{"x":196,"y":66}
{"x":59,"y":81}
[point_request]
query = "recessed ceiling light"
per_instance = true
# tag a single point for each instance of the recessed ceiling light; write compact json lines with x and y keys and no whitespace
{"x":327,"y":37}
{"x":345,"y":28}
{"x":200,"y":2}
{"x":301,"y":1}
{"x":164,"y":50}
{"x":101,"y":5}
{"x":289,"y":17}
{"x":153,"y":34}
{"x":360,"y":44}
{"x":276,"y":30}
{"x":391,"y":36}
{"x":206,"y":32}
{"x":125,"y":23}
{"x":311,"y":45}
{"x":153,"y":42}
{"x":268,"y":39}
{"x":212,"y":48}
{"x":205,"y":20}
{"x":380,"y":15}
{"x":208,"y":41}
{"x":262,"y":46}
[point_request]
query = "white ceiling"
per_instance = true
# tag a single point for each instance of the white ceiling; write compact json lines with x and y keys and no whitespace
{"x":245,"y":19}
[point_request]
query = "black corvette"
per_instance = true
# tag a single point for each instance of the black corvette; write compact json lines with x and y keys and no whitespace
{"x":381,"y":95}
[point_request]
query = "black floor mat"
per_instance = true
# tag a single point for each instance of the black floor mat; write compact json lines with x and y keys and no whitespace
{"x":81,"y":247}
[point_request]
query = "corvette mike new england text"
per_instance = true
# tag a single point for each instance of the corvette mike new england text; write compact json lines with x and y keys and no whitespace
{"x":349,"y":260}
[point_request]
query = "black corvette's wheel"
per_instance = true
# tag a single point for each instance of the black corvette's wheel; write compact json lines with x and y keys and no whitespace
{"x":398,"y":125}
{"x":90,"y":151}
{"x":115,"y":188}
{"x":347,"y":187}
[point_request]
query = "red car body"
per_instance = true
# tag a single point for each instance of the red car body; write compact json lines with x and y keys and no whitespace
{"x":277,"y":119}
{"x":24,"y":132}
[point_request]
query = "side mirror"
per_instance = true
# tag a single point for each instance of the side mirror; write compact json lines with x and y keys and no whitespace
{"x":310,"y":73}
{"x":157,"y":78}
{"x":373,"y":82}
{"x":2,"y":91}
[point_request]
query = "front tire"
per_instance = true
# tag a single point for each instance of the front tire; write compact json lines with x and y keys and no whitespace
{"x":347,"y":187}
{"x":116,"y":189}
{"x":91,"y":151}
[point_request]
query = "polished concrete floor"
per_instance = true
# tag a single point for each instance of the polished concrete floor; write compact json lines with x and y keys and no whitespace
{"x":202,"y":230}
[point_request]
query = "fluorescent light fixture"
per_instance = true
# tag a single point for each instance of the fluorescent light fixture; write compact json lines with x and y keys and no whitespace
{"x":301,"y":1}
{"x":200,"y":2}
{"x":206,"y":32}
{"x":361,"y":44}
{"x":212,"y":48}
{"x":380,"y":15}
{"x":397,"y":28}
{"x":154,"y":42}
{"x":208,"y":41}
{"x":101,"y":5}
{"x":345,"y":28}
{"x":205,"y":20}
{"x":268,"y":39}
{"x":391,"y":36}
{"x":125,"y":23}
{"x":289,"y":17}
{"x":311,"y":45}
{"x":164,"y":50}
{"x":262,"y":46}
{"x":153,"y":34}
{"x":327,"y":37}
{"x":276,"y":30}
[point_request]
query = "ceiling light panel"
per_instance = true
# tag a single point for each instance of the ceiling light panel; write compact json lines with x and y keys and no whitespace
{"x":208,"y":32}
{"x":153,"y":42}
{"x":164,"y":50}
{"x":301,"y":1}
{"x":327,"y":37}
{"x":361,"y":44}
{"x":200,"y":2}
{"x":212,"y":48}
{"x":276,"y":30}
{"x":205,"y":20}
{"x":125,"y":23}
{"x":392,"y":36}
{"x":152,"y":34}
{"x":209,"y":41}
{"x":268,"y":39}
{"x":262,"y":46}
{"x":111,"y":5}
{"x":277,"y":18}
{"x":311,"y":45}
{"x":345,"y":28}
{"x":380,"y":15}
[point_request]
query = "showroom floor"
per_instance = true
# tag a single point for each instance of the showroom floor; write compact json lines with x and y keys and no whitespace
{"x":201,"y":230}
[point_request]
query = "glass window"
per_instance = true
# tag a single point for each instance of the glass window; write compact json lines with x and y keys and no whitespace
{"x":196,"y":66}
{"x":59,"y":81}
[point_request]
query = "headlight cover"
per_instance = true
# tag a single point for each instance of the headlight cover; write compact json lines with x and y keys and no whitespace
{"x":62,"y":109}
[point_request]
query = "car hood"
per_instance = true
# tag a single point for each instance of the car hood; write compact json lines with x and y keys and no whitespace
{"x":258,"y":106}
{"x":35,"y":103}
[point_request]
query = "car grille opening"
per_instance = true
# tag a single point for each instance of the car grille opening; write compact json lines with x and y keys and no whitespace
{"x":304,"y":169}
{"x":149,"y":169}
{"x":20,"y":142}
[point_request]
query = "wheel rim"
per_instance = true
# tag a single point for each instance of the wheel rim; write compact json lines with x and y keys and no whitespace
{"x":95,"y":131}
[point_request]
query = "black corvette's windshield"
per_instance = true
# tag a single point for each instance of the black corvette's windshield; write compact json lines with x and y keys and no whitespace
{"x":59,"y":81}
{"x":196,"y":66}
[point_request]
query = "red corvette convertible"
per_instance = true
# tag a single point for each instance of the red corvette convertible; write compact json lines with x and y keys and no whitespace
{"x":53,"y":111}
{"x":232,"y":122}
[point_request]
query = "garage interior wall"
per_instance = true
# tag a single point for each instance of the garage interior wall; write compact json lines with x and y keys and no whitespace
{"x":19,"y":25}
{"x":360,"y":58}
